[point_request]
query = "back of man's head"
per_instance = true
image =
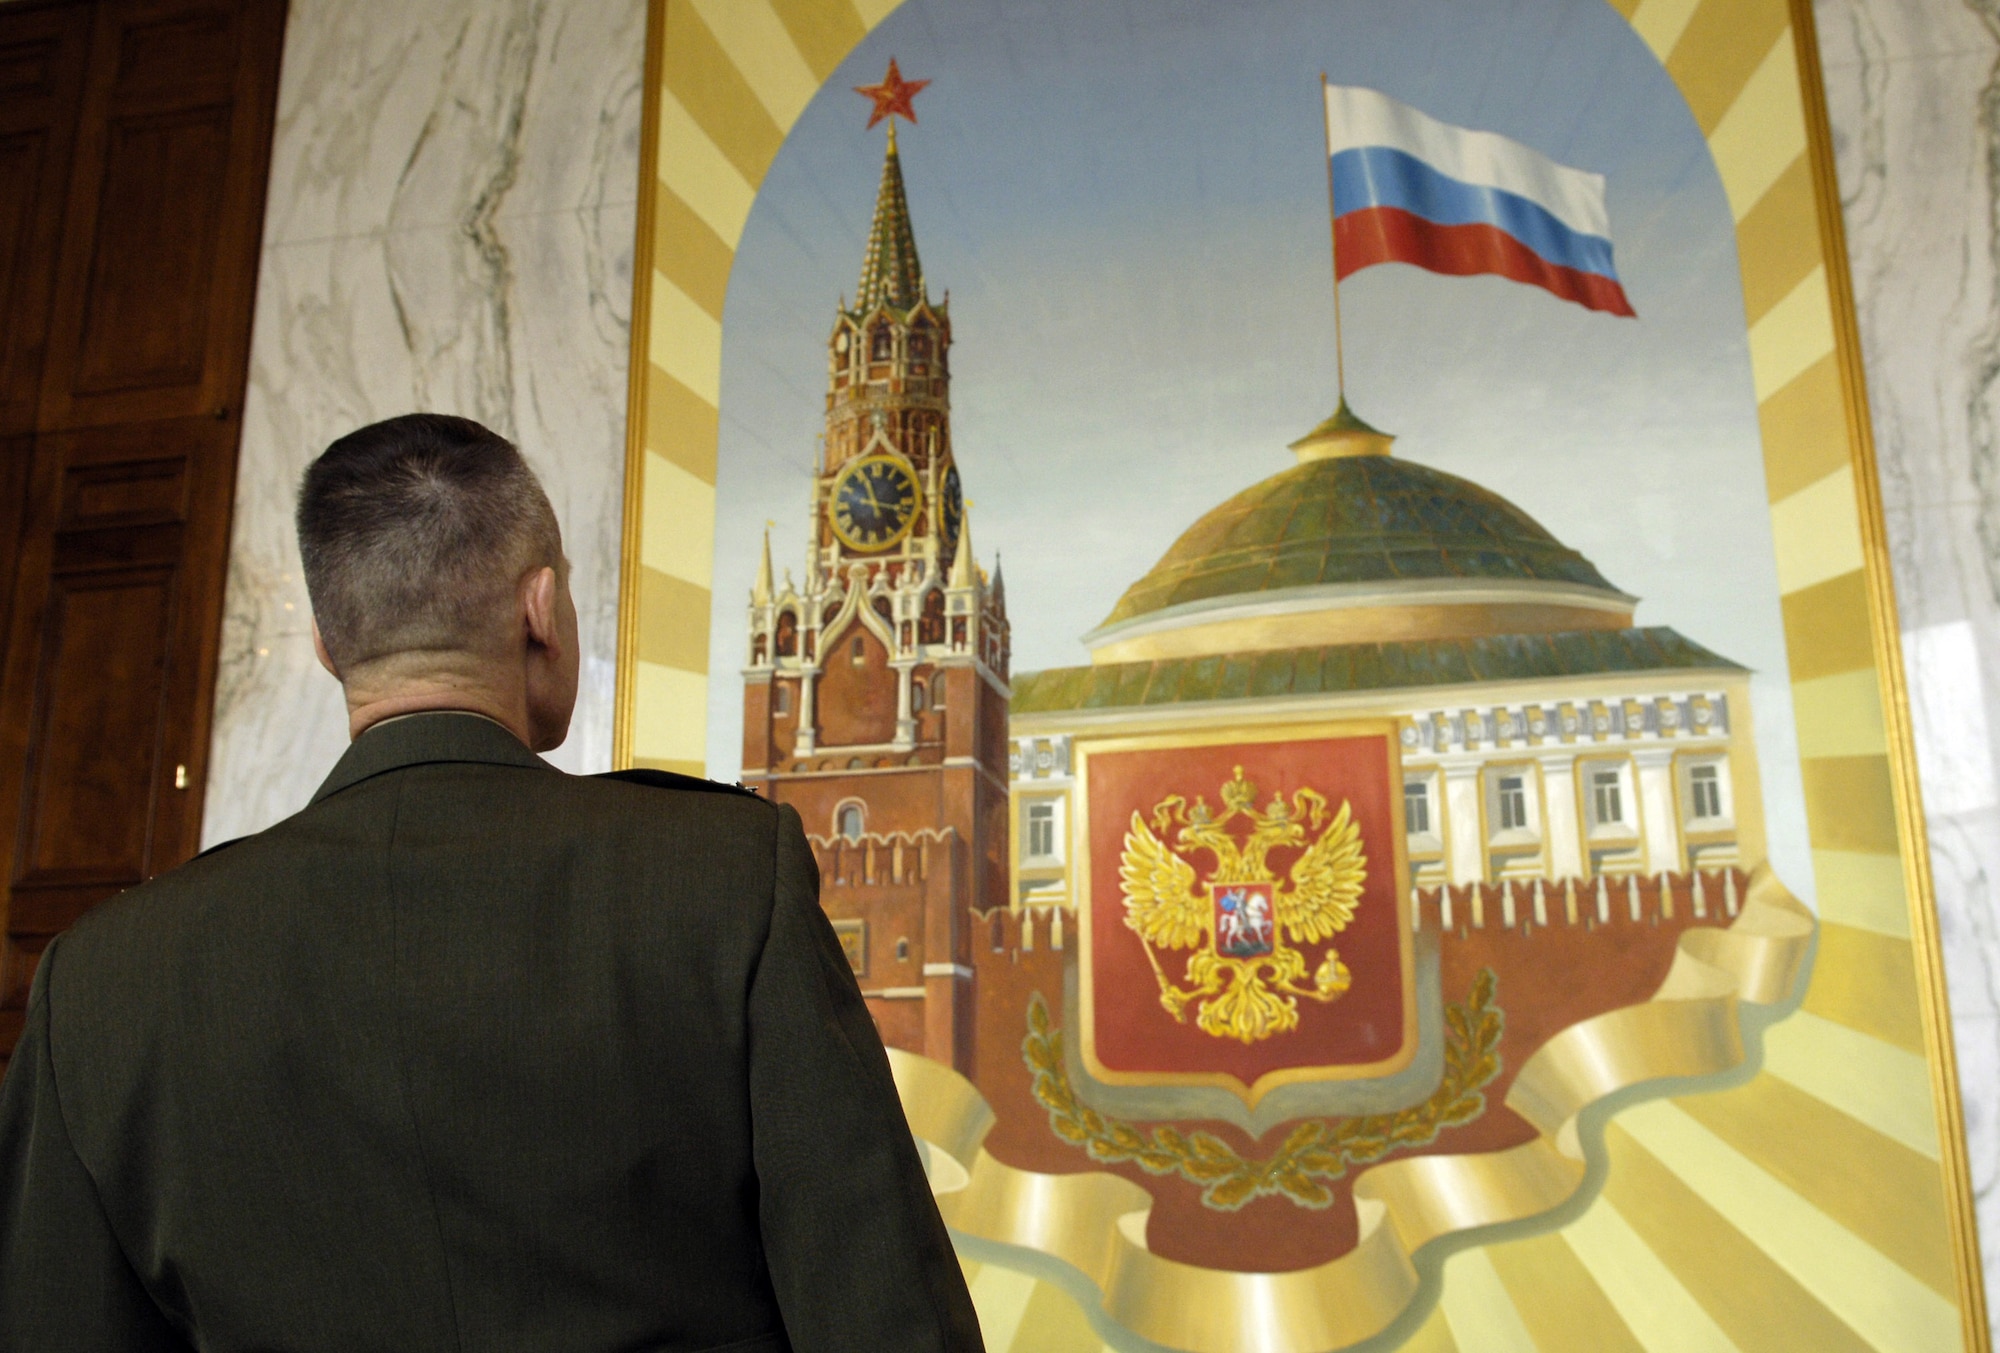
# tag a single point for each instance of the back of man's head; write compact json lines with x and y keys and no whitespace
{"x":415,"y":533}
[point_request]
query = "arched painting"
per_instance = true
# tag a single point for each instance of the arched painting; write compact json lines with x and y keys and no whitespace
{"x":1369,"y":812}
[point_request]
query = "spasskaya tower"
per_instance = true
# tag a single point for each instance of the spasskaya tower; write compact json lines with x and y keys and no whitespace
{"x":875,"y":699}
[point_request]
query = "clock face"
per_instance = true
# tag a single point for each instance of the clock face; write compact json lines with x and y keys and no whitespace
{"x":951,"y":513}
{"x":874,"y":503}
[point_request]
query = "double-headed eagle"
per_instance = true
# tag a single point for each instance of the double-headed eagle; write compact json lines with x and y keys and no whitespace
{"x":1239,"y":928}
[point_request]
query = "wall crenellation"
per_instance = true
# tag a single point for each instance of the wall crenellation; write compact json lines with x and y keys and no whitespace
{"x":877,"y":857}
{"x":1713,"y":896}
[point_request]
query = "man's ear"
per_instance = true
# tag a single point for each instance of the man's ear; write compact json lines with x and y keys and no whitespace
{"x":319,"y":651}
{"x":538,"y":607}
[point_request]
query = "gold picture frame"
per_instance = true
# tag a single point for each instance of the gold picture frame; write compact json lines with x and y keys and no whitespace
{"x":719,"y":104}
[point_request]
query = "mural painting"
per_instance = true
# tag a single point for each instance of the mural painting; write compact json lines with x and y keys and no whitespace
{"x":1352,"y":820}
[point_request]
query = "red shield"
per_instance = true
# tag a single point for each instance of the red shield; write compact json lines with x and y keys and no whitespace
{"x":1127,"y":1035}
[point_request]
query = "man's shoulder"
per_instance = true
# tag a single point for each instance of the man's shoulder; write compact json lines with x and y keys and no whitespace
{"x":646,"y":812}
{"x":667,"y":779}
{"x":655,"y":796}
{"x":625,"y":801}
{"x":634,"y":815}
{"x":151,"y":924}
{"x":561,"y":804}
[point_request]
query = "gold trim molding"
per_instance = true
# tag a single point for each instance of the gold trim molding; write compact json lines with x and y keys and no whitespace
{"x":638,"y":362}
{"x":1886,"y":634}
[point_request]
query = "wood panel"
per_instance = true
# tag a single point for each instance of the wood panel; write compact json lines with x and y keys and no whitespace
{"x":145,"y":297}
{"x":165,"y":210}
{"x":120,"y":498}
{"x":97,"y":720}
{"x":41,"y":79}
{"x":17,"y":454}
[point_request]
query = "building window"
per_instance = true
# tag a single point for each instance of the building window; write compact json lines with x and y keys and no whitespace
{"x":850,"y":821}
{"x":1416,"y":808}
{"x":1041,"y":830}
{"x":781,"y":699}
{"x":1607,"y":799}
{"x":1513,"y":796}
{"x":1705,"y":791}
{"x":937,"y":691}
{"x":857,"y":652}
{"x":879,"y":344}
{"x":916,"y":697}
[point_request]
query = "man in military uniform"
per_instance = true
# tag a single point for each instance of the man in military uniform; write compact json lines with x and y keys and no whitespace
{"x":470,"y":1054}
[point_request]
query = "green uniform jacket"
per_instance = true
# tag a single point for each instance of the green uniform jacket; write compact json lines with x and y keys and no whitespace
{"x":469,"y":1055}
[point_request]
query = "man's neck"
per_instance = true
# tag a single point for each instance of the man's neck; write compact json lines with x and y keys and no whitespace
{"x":367,"y":707}
{"x":420,"y":713}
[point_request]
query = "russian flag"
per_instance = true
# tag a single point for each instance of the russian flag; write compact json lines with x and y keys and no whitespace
{"x":1410,"y":189}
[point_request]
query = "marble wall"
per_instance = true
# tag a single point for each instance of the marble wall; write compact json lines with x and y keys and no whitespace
{"x":450,"y":228}
{"x":1913,"y":87}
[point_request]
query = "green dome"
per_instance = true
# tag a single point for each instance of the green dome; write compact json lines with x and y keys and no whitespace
{"x":1354,"y":519}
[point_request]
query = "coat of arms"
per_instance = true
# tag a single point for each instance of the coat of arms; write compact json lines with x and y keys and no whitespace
{"x":1245,"y":925}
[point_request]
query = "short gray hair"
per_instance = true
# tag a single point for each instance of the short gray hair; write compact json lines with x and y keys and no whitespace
{"x":415,"y":532}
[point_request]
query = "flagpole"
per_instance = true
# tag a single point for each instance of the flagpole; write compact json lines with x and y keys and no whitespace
{"x":1333,"y":232}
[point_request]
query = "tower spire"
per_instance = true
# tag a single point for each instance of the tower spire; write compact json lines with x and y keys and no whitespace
{"x":760,"y":592}
{"x":964,"y":569}
{"x":890,"y":272}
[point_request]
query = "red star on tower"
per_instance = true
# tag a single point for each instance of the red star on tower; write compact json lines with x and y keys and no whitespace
{"x":892,"y":97}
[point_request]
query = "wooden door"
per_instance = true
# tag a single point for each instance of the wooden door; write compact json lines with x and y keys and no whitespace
{"x":107,"y":680}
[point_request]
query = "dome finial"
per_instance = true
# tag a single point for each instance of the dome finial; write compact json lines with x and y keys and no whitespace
{"x":1343,"y":434}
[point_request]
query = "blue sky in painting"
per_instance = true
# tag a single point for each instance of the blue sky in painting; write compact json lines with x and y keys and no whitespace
{"x":1127,"y":204}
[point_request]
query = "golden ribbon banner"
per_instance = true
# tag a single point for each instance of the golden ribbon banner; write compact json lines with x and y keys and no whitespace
{"x":1095,"y":1222}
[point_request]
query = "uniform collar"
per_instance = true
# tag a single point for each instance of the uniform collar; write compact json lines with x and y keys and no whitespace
{"x":421,"y":739}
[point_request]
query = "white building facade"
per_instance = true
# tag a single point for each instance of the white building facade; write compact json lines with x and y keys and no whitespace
{"x":1543,"y":736}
